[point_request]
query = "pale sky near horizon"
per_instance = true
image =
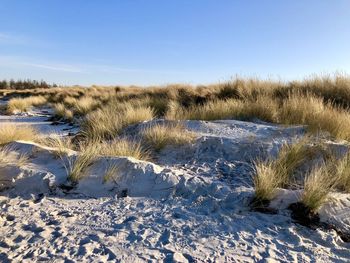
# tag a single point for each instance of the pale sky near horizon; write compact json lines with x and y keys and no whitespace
{"x":145,"y":42}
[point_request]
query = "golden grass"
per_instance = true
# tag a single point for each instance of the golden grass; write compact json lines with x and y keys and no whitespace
{"x":160,"y":135}
{"x":292,"y":156}
{"x":62,"y":112}
{"x":318,"y":184}
{"x":320,"y":102}
{"x":342,"y":168}
{"x":23,"y":104}
{"x":13,"y":132}
{"x":271,"y":174}
{"x":263,"y":108}
{"x":110,"y":120}
{"x":266,"y":180}
{"x":84,"y":105}
{"x":316,"y":114}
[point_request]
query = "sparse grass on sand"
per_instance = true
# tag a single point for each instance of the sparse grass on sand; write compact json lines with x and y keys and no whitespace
{"x":123,"y":147}
{"x":112,"y":173}
{"x":160,"y":135}
{"x":10,"y":157}
{"x":62,"y":145}
{"x":23,"y":104}
{"x":12,"y":132}
{"x":77,"y":167}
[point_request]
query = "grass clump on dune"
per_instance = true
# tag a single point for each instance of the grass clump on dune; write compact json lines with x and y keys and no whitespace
{"x":77,"y":167}
{"x":160,"y":135}
{"x":23,"y":104}
{"x":343,"y":172}
{"x":317,"y":186}
{"x":271,"y":174}
{"x":266,"y":181}
{"x":12,"y":132}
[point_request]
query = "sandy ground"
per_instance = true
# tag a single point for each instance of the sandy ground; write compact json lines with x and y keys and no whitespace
{"x":190,"y":205}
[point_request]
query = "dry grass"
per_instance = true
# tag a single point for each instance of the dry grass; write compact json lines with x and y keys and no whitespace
{"x":160,"y":135}
{"x":321,"y":102}
{"x":12,"y":132}
{"x":342,"y":168}
{"x":77,"y":167}
{"x":271,"y":174}
{"x":62,"y":112}
{"x":84,"y":105}
{"x":62,"y":145}
{"x":319,"y":116}
{"x":266,"y":180}
{"x":110,"y":120}
{"x":263,"y":108}
{"x":23,"y":104}
{"x":318,"y":184}
{"x":9,"y":157}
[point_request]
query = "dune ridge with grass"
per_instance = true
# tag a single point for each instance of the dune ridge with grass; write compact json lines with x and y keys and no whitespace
{"x":222,"y":165}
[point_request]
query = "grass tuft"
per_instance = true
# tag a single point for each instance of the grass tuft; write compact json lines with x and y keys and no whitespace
{"x":271,"y":174}
{"x":342,"y":169}
{"x":62,"y":112}
{"x":24,"y":104}
{"x":318,"y":184}
{"x":266,"y":181}
{"x":12,"y":132}
{"x":160,"y":135}
{"x":77,"y":167}
{"x":112,"y":173}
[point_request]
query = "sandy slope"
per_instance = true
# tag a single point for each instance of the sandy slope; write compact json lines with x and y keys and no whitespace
{"x":192,"y":206}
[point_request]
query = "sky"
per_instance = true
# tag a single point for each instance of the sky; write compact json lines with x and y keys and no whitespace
{"x":155,"y":42}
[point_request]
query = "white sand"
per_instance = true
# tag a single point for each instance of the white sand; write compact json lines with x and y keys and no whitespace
{"x":192,"y":206}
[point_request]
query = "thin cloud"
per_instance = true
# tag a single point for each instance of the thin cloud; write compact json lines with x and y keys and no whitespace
{"x":22,"y":40}
{"x":112,"y":69}
{"x":55,"y":67}
{"x":20,"y":62}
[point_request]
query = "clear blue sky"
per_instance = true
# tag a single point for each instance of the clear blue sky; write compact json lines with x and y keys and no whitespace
{"x":162,"y":41}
